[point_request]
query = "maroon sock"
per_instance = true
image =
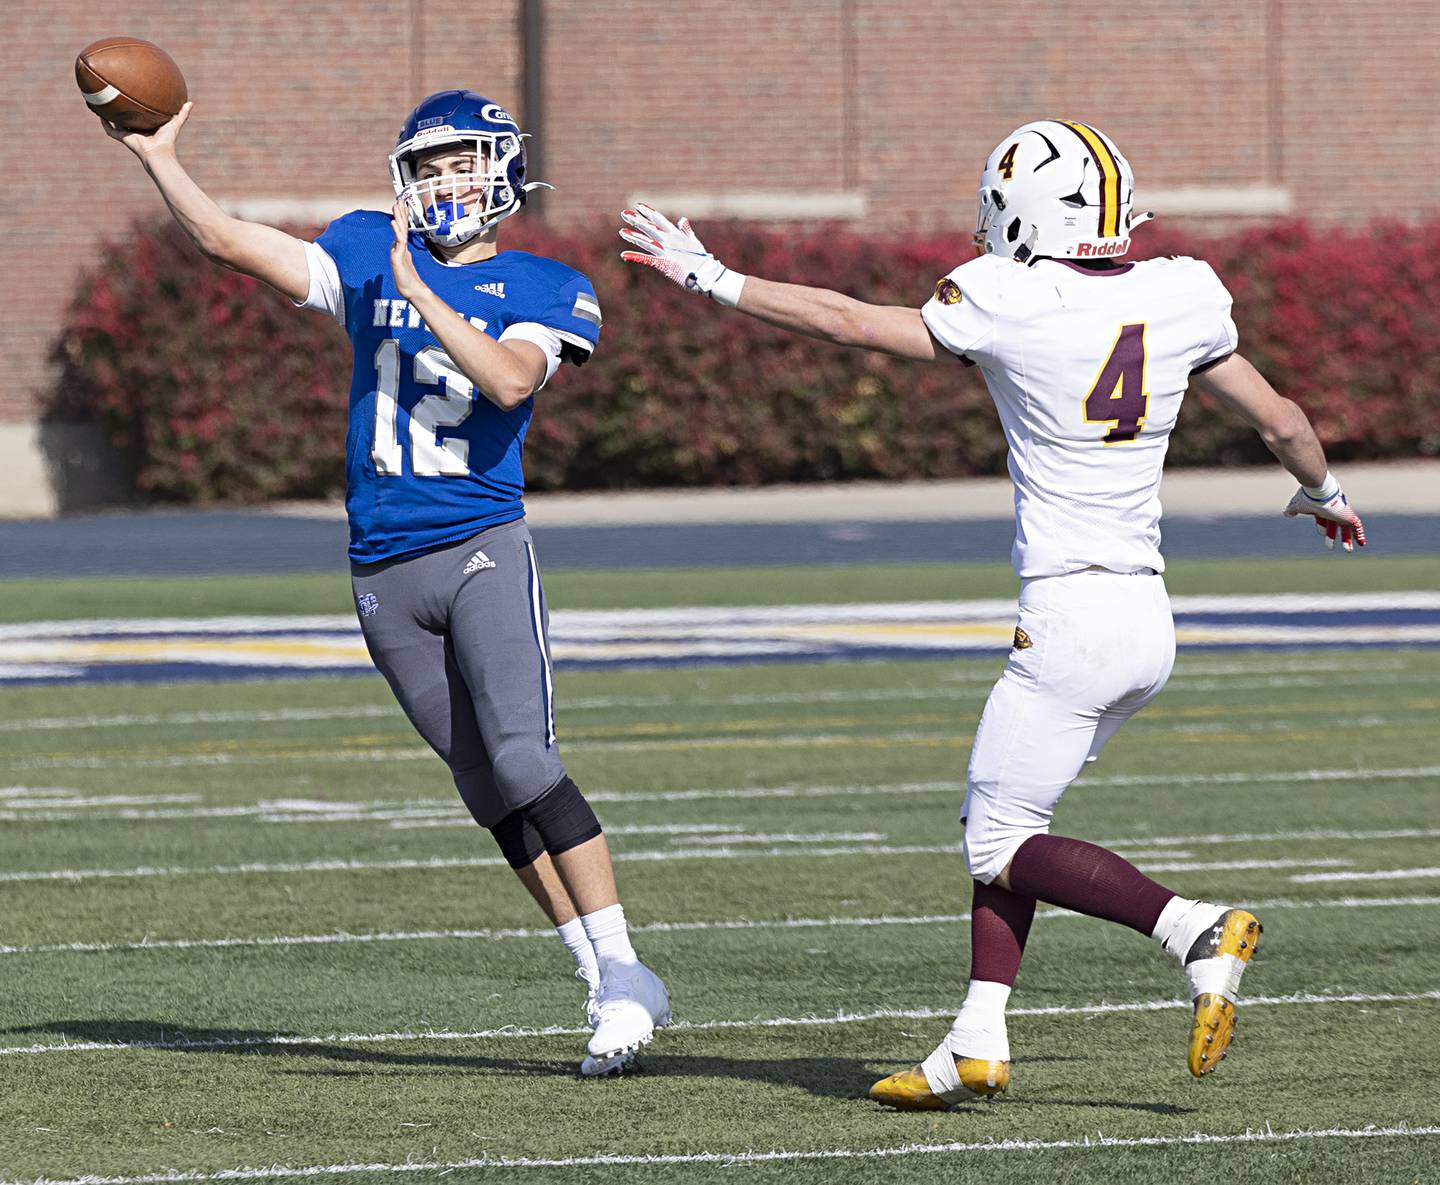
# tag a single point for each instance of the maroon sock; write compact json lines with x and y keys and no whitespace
{"x":999,"y":925}
{"x":1088,"y":879}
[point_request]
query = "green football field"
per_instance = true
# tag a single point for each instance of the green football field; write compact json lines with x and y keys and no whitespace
{"x":248,"y":925}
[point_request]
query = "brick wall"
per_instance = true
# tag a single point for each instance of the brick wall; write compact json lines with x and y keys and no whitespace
{"x":1332,"y":102}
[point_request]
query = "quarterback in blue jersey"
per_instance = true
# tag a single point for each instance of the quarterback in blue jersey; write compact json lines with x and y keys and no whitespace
{"x":453,"y":339}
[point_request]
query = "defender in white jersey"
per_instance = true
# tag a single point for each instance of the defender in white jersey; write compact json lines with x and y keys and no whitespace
{"x":1087,"y":359}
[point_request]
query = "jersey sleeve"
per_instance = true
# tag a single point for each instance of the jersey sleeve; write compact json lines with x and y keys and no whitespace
{"x":1215,"y":332}
{"x":961,"y":314}
{"x":549,"y":342}
{"x":574,"y":316}
{"x":349,"y":253}
{"x":326,"y":291}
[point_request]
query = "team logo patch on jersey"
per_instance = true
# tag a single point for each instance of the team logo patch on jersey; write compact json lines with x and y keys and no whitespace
{"x":1022,"y":639}
{"x":368,"y":604}
{"x":495,"y":288}
{"x":477,"y":562}
{"x":947,"y":291}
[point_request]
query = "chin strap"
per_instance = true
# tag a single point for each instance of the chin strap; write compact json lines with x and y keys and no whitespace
{"x":1026,"y":250}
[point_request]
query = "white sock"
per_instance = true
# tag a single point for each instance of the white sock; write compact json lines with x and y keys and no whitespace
{"x":608,"y":935}
{"x":979,"y":1029}
{"x":1181,"y":922}
{"x":577,"y":942}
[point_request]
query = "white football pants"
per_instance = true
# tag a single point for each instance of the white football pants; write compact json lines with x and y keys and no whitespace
{"x":1102,"y":645}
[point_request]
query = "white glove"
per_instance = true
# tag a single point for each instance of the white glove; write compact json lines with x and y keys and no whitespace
{"x":677,"y":252}
{"x":1331,"y":511}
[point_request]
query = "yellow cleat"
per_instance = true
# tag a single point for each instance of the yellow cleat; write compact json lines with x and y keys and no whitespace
{"x":910,"y":1090}
{"x":1233,"y":939}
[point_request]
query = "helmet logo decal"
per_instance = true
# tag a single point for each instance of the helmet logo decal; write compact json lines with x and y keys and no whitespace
{"x":496,"y":113}
{"x":1102,"y":250}
{"x":1054,"y":152}
{"x":1109,"y":178}
{"x":1007,"y":162}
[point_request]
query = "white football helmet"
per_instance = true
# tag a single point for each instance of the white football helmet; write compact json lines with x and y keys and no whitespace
{"x":1056,"y":188}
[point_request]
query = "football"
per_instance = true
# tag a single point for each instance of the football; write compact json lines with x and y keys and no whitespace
{"x":132,"y":83}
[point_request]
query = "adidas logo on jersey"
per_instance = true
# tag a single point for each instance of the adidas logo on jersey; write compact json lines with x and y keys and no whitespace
{"x":495,"y":288}
{"x":478,"y":561}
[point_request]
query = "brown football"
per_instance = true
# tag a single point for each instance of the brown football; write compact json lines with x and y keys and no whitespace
{"x":132,"y":83}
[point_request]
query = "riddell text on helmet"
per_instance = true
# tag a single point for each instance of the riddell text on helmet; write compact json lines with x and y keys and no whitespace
{"x":1099,"y":250}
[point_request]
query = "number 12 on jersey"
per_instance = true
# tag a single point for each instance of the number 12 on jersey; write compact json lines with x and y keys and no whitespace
{"x":1118,"y":395}
{"x":449,"y":407}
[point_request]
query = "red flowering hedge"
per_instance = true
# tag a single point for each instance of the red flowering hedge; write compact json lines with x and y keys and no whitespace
{"x":220,"y":391}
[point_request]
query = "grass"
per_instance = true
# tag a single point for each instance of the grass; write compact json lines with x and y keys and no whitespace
{"x":691,"y":770}
{"x":306,"y":593}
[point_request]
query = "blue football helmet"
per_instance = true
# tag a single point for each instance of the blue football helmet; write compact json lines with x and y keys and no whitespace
{"x":464,"y":120}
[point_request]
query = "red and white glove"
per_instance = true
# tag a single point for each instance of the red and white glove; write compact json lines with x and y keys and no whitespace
{"x":675,"y":251}
{"x":1331,"y":511}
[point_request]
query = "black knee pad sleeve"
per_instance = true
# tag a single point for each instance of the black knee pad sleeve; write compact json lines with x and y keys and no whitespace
{"x":562,"y":817}
{"x":519,"y":842}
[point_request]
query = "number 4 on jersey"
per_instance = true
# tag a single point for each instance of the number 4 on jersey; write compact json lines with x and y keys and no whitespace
{"x":1119,"y":396}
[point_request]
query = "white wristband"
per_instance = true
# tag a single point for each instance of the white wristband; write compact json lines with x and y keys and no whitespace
{"x":1326,"y":490}
{"x":726,"y":290}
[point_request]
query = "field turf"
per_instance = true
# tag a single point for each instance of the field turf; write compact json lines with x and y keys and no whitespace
{"x":247,"y":924}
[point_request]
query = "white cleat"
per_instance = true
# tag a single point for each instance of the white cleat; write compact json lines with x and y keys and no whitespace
{"x":590,"y":977}
{"x":607,"y":1067}
{"x":633,"y":1004}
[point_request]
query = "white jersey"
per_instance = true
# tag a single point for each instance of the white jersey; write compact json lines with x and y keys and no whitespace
{"x":1087,"y":370}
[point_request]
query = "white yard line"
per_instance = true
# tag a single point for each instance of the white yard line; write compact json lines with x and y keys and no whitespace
{"x":1187,"y":679}
{"x":1297,"y":776}
{"x":491,"y":934}
{"x":1083,"y":1143}
{"x":584,"y":623}
{"x":1388,"y":874}
{"x":957,"y":735}
{"x":367,"y":810}
{"x":171,"y":719}
{"x":437,"y":863}
{"x":1314,"y":833}
{"x":58,"y":801}
{"x":516,"y":1032}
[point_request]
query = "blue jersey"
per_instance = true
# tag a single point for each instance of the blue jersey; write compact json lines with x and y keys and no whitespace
{"x":428,"y":459}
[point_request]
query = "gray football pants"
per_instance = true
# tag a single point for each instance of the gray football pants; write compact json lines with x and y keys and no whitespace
{"x":462,"y":636}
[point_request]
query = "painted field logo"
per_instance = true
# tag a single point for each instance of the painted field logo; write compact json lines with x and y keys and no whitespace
{"x":368,"y":604}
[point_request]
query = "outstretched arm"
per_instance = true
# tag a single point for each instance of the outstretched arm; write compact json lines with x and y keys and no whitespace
{"x":257,"y":250}
{"x":675,"y":251}
{"x":1287,"y":433}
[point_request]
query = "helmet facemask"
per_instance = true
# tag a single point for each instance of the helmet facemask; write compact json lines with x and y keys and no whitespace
{"x":999,"y":232}
{"x":453,"y":208}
